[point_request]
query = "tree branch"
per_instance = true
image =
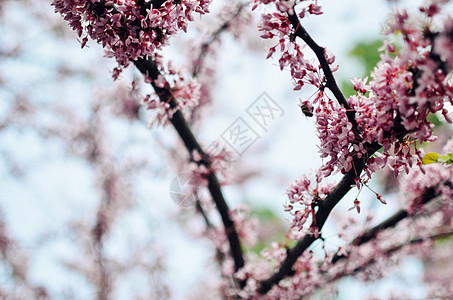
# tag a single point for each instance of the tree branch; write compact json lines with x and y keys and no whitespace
{"x":348,"y":180}
{"x":149,"y":69}
{"x":320,"y":53}
{"x":325,"y":207}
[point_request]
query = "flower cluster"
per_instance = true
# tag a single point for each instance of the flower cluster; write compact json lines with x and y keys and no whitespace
{"x":288,"y":6}
{"x":128,"y":29}
{"x":391,"y":111}
{"x":246,"y":225}
{"x":336,"y":134}
{"x":406,"y":87}
{"x":303,"y":70}
{"x":185,"y":90}
{"x":303,"y":196}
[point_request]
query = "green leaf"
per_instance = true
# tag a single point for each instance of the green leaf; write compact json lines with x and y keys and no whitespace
{"x":430,"y":158}
{"x":433,"y":118}
{"x":367,"y":52}
{"x":446,"y":159}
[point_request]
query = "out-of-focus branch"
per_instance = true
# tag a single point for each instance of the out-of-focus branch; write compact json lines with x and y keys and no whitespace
{"x":214,"y":36}
{"x":219,"y":255}
{"x":390,"y":251}
{"x":17,"y":267}
{"x":108,"y":188}
{"x":150,"y":70}
{"x":199,"y":67}
{"x":427,"y":196}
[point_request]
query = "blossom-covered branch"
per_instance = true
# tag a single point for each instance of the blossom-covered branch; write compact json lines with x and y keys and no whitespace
{"x":150,"y":70}
{"x":132,"y":31}
{"x":356,"y":154}
{"x":321,"y":55}
{"x":325,"y":207}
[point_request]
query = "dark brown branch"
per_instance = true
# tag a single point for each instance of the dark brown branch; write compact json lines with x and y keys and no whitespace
{"x":320,"y":53}
{"x":149,"y":69}
{"x":325,"y":207}
{"x":348,"y":180}
{"x":155,"y":3}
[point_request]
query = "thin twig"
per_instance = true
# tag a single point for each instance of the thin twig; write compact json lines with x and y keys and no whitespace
{"x":214,"y":36}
